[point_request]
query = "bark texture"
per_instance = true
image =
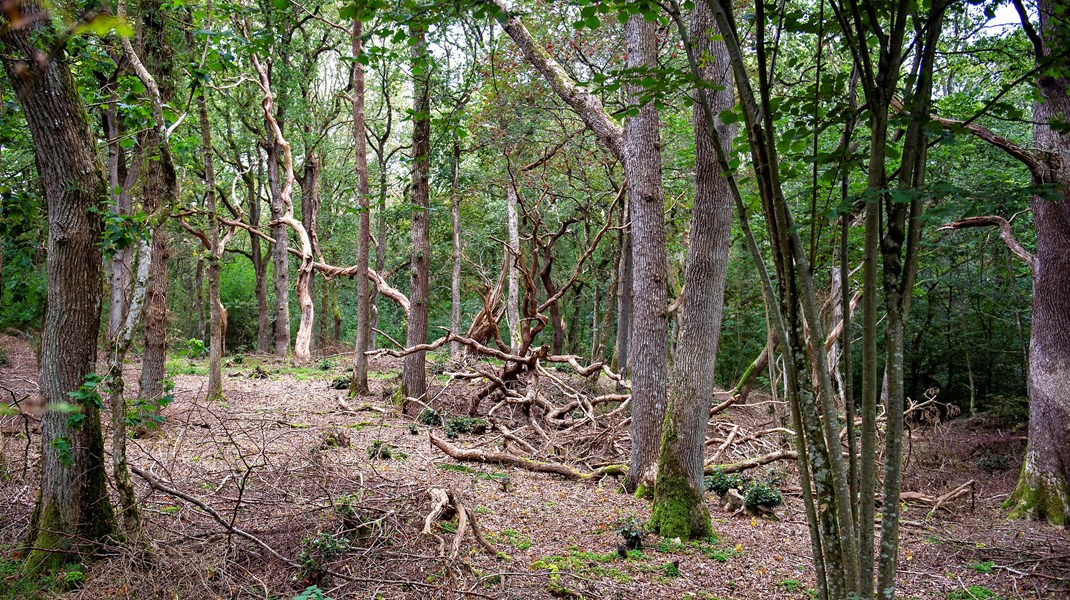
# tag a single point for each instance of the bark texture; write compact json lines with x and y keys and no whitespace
{"x":512,"y":298}
{"x":414,"y":374}
{"x":281,"y":251}
{"x":359,"y":384}
{"x":73,"y":508}
{"x":649,"y":352}
{"x":679,"y":507}
{"x":1043,"y":490}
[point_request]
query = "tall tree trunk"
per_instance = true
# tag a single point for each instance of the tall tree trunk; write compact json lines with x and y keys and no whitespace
{"x":414,"y":376}
{"x":1043,"y":490}
{"x":649,"y":353}
{"x":512,"y":298}
{"x":359,"y":383}
{"x":121,"y":261}
{"x":215,"y":259}
{"x":263,"y":323}
{"x":310,"y":202}
{"x":679,"y":507}
{"x":281,"y":250}
{"x":625,"y":281}
{"x":455,"y":277}
{"x":73,"y":508}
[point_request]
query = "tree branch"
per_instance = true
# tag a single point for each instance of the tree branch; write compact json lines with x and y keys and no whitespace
{"x":1004,"y":233}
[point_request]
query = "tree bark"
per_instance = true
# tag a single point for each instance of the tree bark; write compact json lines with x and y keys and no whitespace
{"x":263,"y":324}
{"x":649,"y":353}
{"x":73,"y":508}
{"x":679,"y":507}
{"x":512,"y":298}
{"x":414,"y":376}
{"x":359,"y":383}
{"x":310,"y":203}
{"x":215,"y":260}
{"x":455,"y":278}
{"x":1043,"y":490}
{"x":281,"y":252}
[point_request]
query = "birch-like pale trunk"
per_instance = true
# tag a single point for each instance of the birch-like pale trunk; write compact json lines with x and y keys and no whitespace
{"x":359,"y":383}
{"x":512,"y":297}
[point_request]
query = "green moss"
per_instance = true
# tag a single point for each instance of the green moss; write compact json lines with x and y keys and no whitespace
{"x":679,"y":510}
{"x":49,"y":548}
{"x":1038,"y":496}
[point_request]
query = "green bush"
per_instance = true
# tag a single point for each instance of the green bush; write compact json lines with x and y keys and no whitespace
{"x":458,"y":425}
{"x":316,"y":553}
{"x":759,"y":494}
{"x":430,"y":417}
{"x":721,"y":482}
{"x":380,"y":449}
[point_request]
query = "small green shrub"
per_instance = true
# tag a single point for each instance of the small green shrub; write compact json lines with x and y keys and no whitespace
{"x":316,"y":553}
{"x":759,"y":494}
{"x":325,"y":364}
{"x":430,"y":417}
{"x":671,"y":569}
{"x":982,"y":567}
{"x":632,"y":534}
{"x":3,"y":356}
{"x":458,"y":425}
{"x":340,"y":383}
{"x":312,"y":592}
{"x":721,"y":482}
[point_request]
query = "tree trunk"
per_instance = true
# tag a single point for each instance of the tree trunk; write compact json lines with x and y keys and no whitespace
{"x":414,"y":377}
{"x":455,"y":278}
{"x":263,"y":324}
{"x":215,"y":260}
{"x":556,"y":320}
{"x":73,"y":508}
{"x":359,"y":383}
{"x":310,"y":202}
{"x":121,"y":261}
{"x":1043,"y":490}
{"x":281,"y":251}
{"x":649,"y":353}
{"x":512,"y":298}
{"x":679,"y":507}
{"x":624,"y":295}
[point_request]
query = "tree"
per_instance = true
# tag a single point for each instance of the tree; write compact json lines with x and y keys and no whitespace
{"x":649,"y":331}
{"x":414,"y":374}
{"x":73,"y":508}
{"x":359,"y":384}
{"x":679,"y":505}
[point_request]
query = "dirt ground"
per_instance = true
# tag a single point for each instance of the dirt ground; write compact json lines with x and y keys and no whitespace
{"x":282,"y":462}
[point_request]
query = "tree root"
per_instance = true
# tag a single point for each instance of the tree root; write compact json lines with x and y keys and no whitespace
{"x":449,"y":499}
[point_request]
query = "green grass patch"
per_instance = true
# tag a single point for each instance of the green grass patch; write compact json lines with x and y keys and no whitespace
{"x":974,"y":592}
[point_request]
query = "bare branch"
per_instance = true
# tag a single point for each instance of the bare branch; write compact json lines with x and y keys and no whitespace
{"x":1004,"y":233}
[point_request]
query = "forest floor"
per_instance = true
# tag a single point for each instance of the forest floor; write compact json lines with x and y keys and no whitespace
{"x":281,"y":460}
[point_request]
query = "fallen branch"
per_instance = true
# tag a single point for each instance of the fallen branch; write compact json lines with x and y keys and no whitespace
{"x":751,"y":463}
{"x":502,"y":458}
{"x":444,"y":499}
{"x":157,"y":485}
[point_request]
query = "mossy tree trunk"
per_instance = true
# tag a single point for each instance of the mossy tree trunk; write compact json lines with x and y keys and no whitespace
{"x":73,"y":508}
{"x":1043,"y":490}
{"x":679,"y":506}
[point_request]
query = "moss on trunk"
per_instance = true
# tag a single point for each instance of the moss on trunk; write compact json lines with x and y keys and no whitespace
{"x":1039,"y":496}
{"x":679,"y":509}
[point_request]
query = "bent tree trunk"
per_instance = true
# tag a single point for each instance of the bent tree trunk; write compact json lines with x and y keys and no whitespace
{"x":1043,"y":490}
{"x":414,"y":378}
{"x":649,"y":353}
{"x":73,"y":508}
{"x":679,"y":506}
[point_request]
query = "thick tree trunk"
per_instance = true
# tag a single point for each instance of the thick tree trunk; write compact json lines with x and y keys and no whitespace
{"x":1043,"y":490}
{"x":679,"y":507}
{"x":73,"y":508}
{"x":414,"y":376}
{"x":649,"y":353}
{"x":359,"y":383}
{"x":281,"y":251}
{"x":455,"y":278}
